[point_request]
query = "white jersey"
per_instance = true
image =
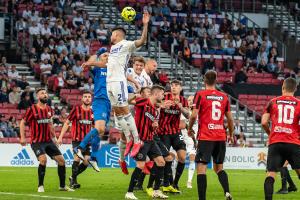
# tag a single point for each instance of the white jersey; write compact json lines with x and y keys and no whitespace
{"x":147,"y":78}
{"x":118,"y":61}
{"x":139,"y":78}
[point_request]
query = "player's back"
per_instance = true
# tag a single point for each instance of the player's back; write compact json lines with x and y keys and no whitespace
{"x":212,"y":105}
{"x":118,"y":60}
{"x":284,"y":113}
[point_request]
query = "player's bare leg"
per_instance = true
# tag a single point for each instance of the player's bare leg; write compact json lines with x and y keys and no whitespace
{"x":191,"y":171}
{"x":61,"y":170}
{"x":41,"y":172}
{"x":223,"y":179}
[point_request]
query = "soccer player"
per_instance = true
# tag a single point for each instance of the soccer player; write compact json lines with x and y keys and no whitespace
{"x":286,"y":178}
{"x":170,"y":133}
{"x":284,"y":143}
{"x":101,"y":106}
{"x":146,"y":113}
{"x":211,"y":105}
{"x":43,"y":139}
{"x":81,"y":118}
{"x":120,"y":53}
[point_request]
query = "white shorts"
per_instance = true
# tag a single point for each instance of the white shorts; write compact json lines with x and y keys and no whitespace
{"x":190,"y":149}
{"x":118,"y":93}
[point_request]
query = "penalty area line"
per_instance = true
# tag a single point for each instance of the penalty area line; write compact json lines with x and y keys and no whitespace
{"x":41,"y":196}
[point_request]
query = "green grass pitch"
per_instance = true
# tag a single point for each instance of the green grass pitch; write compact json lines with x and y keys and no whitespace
{"x":110,"y":184}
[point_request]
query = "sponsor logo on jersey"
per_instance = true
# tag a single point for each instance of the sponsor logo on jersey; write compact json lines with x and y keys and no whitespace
{"x":286,"y":102}
{"x":22,"y":159}
{"x":215,"y":126}
{"x":213,"y":97}
{"x":43,"y":121}
{"x":85,"y":121}
{"x":280,"y":129}
{"x":150,"y":116}
{"x":172,"y":112}
{"x":116,"y":49}
{"x":68,"y":156}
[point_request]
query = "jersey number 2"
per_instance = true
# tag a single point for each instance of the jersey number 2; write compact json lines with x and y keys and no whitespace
{"x":216,"y":111}
{"x":286,"y":114}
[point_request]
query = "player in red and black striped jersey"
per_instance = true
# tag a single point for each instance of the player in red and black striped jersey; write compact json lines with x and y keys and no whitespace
{"x":284,"y":143}
{"x":146,"y":113}
{"x":43,"y":139}
{"x":82,"y":121}
{"x":174,"y":105}
{"x":211,"y":106}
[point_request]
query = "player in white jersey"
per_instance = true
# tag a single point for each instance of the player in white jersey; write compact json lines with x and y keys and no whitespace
{"x":135,"y":73}
{"x":190,"y":145}
{"x":117,"y":65}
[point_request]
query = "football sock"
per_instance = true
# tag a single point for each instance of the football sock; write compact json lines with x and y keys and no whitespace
{"x":62,"y":175}
{"x":87,"y":139}
{"x":141,"y":180}
{"x":174,"y":167}
{"x":75,"y":166}
{"x":191,"y":171}
{"x":82,"y":167}
{"x":202,"y":184}
{"x":122,"y":147}
{"x":132,"y":127}
{"x":95,"y":144}
{"x":41,"y":174}
{"x":269,"y":187}
{"x":179,"y":170}
{"x":134,"y":178}
{"x":223,"y":179}
{"x":158,"y":177}
{"x":289,"y":178}
{"x":122,"y":122}
{"x":167,"y":173}
{"x":152,"y":176}
{"x":283,"y":174}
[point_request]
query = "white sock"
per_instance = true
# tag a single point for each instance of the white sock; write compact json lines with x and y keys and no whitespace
{"x":191,"y":171}
{"x":122,"y":147}
{"x":122,"y":122}
{"x":132,"y":128}
{"x":174,"y":166}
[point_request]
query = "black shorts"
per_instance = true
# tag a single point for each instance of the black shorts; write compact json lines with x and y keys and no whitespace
{"x":151,"y":149}
{"x":48,"y":148}
{"x":86,"y":151}
{"x":278,"y":153}
{"x":208,"y":149}
{"x":175,"y":140}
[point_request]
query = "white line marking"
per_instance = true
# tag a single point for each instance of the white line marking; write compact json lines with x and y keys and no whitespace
{"x":41,"y":196}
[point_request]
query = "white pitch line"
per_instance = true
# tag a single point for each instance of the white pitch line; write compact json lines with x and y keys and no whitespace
{"x":41,"y":196}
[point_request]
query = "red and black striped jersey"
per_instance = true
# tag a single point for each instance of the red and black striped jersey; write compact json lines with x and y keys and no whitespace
{"x":145,"y":115}
{"x":39,"y":121}
{"x":169,"y":119}
{"x":82,"y":122}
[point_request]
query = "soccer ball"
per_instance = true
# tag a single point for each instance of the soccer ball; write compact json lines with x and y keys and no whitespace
{"x":128,"y":14}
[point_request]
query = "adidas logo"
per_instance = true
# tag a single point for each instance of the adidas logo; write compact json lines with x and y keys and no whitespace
{"x":68,"y":156}
{"x":22,"y":159}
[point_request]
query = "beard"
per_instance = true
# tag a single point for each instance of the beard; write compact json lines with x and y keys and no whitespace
{"x":44,"y":100}
{"x":86,"y":104}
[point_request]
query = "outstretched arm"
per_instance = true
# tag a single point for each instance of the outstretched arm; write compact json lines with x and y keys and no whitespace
{"x":93,"y":62}
{"x":143,"y":39}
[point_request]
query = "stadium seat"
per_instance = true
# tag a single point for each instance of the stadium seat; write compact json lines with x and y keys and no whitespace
{"x":13,"y":140}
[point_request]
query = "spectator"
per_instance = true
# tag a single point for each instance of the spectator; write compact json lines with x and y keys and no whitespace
{"x":163,"y":78}
{"x":272,"y":67}
{"x":243,"y":49}
{"x":77,"y":20}
{"x":65,"y":31}
{"x":251,"y":53}
{"x":205,"y":43}
{"x":14,"y":97}
{"x":61,"y":46}
{"x":202,"y":30}
{"x":214,"y":44}
{"x":262,"y":59}
{"x":195,"y":47}
{"x":3,"y":95}
{"x":28,"y":92}
{"x":21,"y":24}
{"x":25,"y":103}
{"x":230,"y":50}
{"x":89,"y":85}
{"x":71,"y":80}
{"x":186,"y":52}
{"x":45,"y":29}
{"x":59,"y":83}
{"x":6,"y":130}
{"x":13,"y":123}
{"x":238,"y":128}
{"x":164,"y":30}
{"x":77,"y":69}
{"x":34,"y":29}
{"x":241,"y":140}
{"x":63,"y":116}
{"x":241,"y":76}
{"x":33,"y":57}
{"x":13,"y":74}
{"x":237,"y":42}
{"x":165,"y":10}
{"x":26,"y":13}
{"x":209,"y":64}
{"x":45,"y":54}
{"x":102,"y":34}
{"x":56,"y":114}
{"x":228,"y":65}
{"x":3,"y":80}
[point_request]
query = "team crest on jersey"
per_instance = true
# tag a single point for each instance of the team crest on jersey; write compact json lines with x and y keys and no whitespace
{"x":49,"y":114}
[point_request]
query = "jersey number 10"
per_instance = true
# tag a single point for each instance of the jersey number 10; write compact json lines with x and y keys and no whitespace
{"x":286,"y":114}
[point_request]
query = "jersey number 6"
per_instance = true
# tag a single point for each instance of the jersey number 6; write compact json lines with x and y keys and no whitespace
{"x":216,"y":111}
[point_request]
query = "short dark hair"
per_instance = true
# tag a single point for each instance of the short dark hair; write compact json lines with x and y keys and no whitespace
{"x":210,"y":77}
{"x":143,"y":89}
{"x":37,"y":90}
{"x":176,"y":81}
{"x":290,"y":84}
{"x":118,"y":28}
{"x":157,"y":87}
{"x":87,"y":92}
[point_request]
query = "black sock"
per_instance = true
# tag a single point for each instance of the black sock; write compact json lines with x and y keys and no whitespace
{"x":289,"y":178}
{"x":283,"y":174}
{"x":168,"y":173}
{"x":62,"y":175}
{"x":158,"y":178}
{"x":141,"y":180}
{"x":41,"y":174}
{"x":82,"y":167}
{"x":202,"y":184}
{"x":223,"y":179}
{"x":179,"y":170}
{"x":269,"y":187}
{"x":75,"y":169}
{"x":152,"y":176}
{"x":134,"y":178}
